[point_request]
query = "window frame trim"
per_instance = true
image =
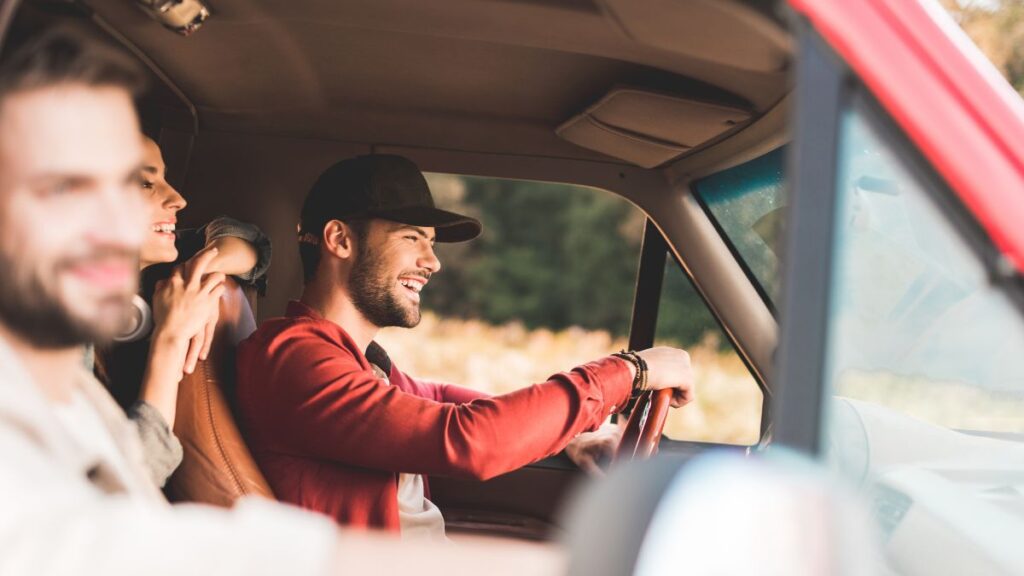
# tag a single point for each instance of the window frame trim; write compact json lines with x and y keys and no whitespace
{"x":742,"y":262}
{"x":655,"y":255}
{"x":650,"y":278}
{"x":821,"y":90}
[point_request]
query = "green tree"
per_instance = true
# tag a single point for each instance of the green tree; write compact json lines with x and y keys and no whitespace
{"x":558,"y":255}
{"x":554,"y":256}
{"x":997,"y":27}
{"x":683,"y":319}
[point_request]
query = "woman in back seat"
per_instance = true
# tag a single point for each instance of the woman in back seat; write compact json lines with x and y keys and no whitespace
{"x":176,"y":311}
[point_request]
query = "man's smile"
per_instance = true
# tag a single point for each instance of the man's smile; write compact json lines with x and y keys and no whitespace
{"x":110,"y":273}
{"x":413,"y":285}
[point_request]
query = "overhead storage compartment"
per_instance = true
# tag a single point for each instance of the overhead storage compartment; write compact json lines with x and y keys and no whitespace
{"x":648,"y":128}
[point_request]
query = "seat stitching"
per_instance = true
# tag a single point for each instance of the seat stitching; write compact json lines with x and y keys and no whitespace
{"x":217,"y":440}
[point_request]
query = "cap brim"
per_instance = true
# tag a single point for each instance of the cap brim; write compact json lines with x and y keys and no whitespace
{"x":448,"y":226}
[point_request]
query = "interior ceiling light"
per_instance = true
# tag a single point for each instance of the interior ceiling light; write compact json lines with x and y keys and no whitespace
{"x":181,"y":16}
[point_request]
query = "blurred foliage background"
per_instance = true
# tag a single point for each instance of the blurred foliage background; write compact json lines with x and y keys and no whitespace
{"x":548,"y":286}
{"x":997,"y":27}
{"x":551,"y":256}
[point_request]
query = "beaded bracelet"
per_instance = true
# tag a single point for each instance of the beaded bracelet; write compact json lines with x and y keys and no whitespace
{"x":643,"y":367}
{"x":640,"y":378}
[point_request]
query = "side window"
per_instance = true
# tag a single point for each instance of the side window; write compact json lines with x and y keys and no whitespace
{"x":728,"y":405}
{"x":915,"y":325}
{"x":550,"y":285}
{"x":924,"y":358}
{"x":547,"y":286}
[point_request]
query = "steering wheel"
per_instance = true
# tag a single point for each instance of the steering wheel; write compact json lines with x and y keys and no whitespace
{"x":643,"y":431}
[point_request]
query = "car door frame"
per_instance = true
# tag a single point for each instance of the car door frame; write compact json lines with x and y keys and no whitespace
{"x":827,"y":86}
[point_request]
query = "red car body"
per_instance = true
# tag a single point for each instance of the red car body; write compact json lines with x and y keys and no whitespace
{"x":950,"y":100}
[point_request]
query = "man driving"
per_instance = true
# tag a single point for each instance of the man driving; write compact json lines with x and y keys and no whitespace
{"x":336,"y":427}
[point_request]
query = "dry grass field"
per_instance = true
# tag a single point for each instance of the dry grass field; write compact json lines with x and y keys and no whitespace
{"x":950,"y":404}
{"x":499,"y":359}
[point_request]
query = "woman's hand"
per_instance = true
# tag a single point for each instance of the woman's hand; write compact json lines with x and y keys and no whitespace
{"x":186,"y":307}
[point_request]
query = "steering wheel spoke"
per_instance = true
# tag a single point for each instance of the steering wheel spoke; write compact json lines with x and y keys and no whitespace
{"x":643,"y":430}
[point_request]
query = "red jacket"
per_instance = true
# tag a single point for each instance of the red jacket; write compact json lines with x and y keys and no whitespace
{"x":332,"y":437}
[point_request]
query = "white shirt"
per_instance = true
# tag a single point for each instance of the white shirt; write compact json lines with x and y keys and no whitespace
{"x":82,"y":423}
{"x":418,"y":516}
{"x":76,"y":499}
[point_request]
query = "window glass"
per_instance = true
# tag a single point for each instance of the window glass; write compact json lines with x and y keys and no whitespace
{"x":550,"y":285}
{"x":925,"y":358}
{"x":747,"y":204}
{"x":547,"y":286}
{"x":728,"y":405}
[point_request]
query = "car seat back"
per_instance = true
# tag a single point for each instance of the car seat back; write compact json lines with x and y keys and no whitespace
{"x":217,"y":467}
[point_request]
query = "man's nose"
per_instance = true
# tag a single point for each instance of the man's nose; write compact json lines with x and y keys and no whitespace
{"x":429,"y":260}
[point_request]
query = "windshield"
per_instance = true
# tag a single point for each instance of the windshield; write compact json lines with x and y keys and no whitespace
{"x":926,"y":358}
{"x":916,"y":325}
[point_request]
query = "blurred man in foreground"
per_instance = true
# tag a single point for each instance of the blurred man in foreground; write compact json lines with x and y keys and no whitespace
{"x":75,"y":495}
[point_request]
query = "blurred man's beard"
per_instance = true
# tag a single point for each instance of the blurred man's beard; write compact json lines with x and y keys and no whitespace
{"x":373,"y":293}
{"x":32,"y":309}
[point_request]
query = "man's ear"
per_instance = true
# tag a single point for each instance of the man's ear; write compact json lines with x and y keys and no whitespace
{"x":338,"y":239}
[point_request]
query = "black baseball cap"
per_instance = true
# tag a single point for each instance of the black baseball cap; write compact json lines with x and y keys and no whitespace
{"x":379,"y":186}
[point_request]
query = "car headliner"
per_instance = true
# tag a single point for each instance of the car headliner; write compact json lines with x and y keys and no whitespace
{"x":263,"y":97}
{"x":493,"y":76}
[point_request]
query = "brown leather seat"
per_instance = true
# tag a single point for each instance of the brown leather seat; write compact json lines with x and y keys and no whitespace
{"x":218,"y":467}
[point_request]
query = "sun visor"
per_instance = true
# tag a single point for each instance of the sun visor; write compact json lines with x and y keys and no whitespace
{"x":648,"y":128}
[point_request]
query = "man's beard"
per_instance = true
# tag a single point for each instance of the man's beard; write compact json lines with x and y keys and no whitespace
{"x":33,"y":309}
{"x":373,"y":293}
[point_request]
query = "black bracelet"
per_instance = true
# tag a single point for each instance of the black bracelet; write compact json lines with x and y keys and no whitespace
{"x":643,"y":368}
{"x":640,"y":378}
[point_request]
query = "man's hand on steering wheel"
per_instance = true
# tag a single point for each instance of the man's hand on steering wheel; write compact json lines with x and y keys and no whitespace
{"x":670,"y":368}
{"x":669,"y":381}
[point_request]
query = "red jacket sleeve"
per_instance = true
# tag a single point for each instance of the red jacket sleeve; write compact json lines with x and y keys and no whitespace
{"x":458,"y":394}
{"x":326,"y":406}
{"x":451,"y":393}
